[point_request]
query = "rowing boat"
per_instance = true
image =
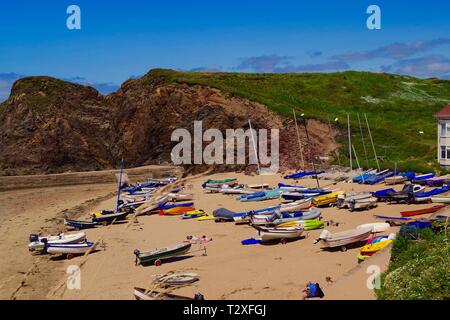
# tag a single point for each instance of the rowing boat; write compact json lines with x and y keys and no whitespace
{"x":271,"y":234}
{"x":180,"y":196}
{"x":175,"y":211}
{"x":142,"y":294}
{"x":37,"y":244}
{"x":395,"y":180}
{"x":305,"y":224}
{"x":109,"y":218}
{"x":68,"y":248}
{"x":375,"y":226}
{"x":79,"y":224}
{"x":175,"y":279}
{"x":155,"y":256}
{"x":344,"y":238}
{"x":422,"y":211}
{"x":327,"y":199}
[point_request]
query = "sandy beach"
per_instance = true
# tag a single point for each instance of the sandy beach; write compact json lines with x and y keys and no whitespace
{"x":229,"y":270}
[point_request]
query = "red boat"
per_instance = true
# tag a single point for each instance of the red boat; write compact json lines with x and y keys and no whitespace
{"x":422,"y":211}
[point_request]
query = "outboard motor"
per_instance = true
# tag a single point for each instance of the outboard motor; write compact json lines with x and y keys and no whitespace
{"x":199,"y":296}
{"x":33,"y":237}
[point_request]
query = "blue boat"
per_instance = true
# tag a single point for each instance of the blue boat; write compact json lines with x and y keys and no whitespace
{"x":175,"y":205}
{"x":424,"y":195}
{"x":260,"y":196}
{"x":362,"y":177}
{"x":421,"y":179}
{"x":291,"y":187}
{"x":410,"y":175}
{"x":302,"y":174}
{"x":379,"y":177}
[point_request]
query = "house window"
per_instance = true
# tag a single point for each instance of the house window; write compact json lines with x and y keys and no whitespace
{"x":443,"y":155}
{"x":443,"y":129}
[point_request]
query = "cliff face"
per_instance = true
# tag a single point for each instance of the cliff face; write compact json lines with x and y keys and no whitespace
{"x":48,"y":125}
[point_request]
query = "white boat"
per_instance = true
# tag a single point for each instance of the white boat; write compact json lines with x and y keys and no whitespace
{"x":344,"y":200}
{"x":180,"y":196}
{"x":375,"y":227}
{"x":363,"y":203}
{"x":236,"y":190}
{"x":270,"y":234}
{"x":441,"y":198}
{"x":296,"y":205}
{"x":258,"y":186}
{"x":344,"y":238}
{"x":38,"y":243}
{"x":69,"y":249}
{"x":395,"y":180}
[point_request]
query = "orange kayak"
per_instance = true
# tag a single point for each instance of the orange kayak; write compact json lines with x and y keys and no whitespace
{"x":176,"y":211}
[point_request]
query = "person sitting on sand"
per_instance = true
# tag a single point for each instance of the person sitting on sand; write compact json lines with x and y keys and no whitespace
{"x":312,"y":290}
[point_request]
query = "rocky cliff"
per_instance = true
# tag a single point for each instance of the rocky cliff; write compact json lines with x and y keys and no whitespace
{"x":49,"y":126}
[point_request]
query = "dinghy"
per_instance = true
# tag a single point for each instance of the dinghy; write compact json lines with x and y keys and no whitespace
{"x":70,"y":249}
{"x":281,"y":234}
{"x":305,"y":224}
{"x":326,"y":199}
{"x":343,"y":238}
{"x":142,"y":294}
{"x":261,"y":196}
{"x":395,"y":180}
{"x":375,"y":226}
{"x":157,"y":255}
{"x":175,"y":279}
{"x":37,"y":244}
{"x":176,"y":211}
{"x":109,"y":218}
{"x":288,"y":187}
{"x":180,"y":196}
{"x":258,"y":186}
{"x":78,"y":224}
{"x":422,"y":179}
{"x":422,"y":211}
{"x":344,"y":200}
{"x":441,"y":199}
{"x":236,"y":190}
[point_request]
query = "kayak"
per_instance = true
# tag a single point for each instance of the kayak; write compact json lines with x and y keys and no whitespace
{"x":422,"y":211}
{"x":177,"y":211}
{"x":206,"y":217}
{"x":306,"y":224}
{"x":375,"y":247}
{"x":193,"y":214}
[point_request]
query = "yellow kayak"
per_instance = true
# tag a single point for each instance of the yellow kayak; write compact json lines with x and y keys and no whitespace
{"x":195,"y":212}
{"x":101,"y":213}
{"x":374,"y":247}
{"x":326,"y":199}
{"x":207,"y":217}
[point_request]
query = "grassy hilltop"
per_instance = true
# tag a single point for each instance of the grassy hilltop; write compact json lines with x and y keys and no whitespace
{"x":397,"y":107}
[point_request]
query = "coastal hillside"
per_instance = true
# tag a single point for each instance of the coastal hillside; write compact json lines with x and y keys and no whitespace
{"x":49,"y":125}
{"x":400,"y":109}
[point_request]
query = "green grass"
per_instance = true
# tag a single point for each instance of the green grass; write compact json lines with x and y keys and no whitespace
{"x":397,"y":107}
{"x":418,"y":270}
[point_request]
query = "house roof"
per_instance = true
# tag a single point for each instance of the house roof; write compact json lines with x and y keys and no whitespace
{"x":444,"y":112}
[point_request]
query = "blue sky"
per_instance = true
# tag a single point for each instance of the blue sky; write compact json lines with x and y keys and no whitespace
{"x":122,"y":39}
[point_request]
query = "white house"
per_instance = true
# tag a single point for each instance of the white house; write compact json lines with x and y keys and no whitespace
{"x":443,"y":118}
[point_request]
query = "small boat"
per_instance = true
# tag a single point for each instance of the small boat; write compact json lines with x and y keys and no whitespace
{"x":69,"y":249}
{"x":206,"y":217}
{"x":277,"y":218}
{"x":78,"y":224}
{"x":426,"y":196}
{"x":362,"y":177}
{"x":436,"y":182}
{"x":37,"y":244}
{"x":343,"y":238}
{"x":303,"y":174}
{"x":109,"y":218}
{"x":305,"y":224}
{"x":176,"y":279}
{"x":296,"y":205}
{"x":261,"y":196}
{"x":176,"y":211}
{"x":229,"y":181}
{"x":271,"y":234}
{"x":236,"y":190}
{"x":193,"y":214}
{"x":394,"y":221}
{"x":156,"y":256}
{"x":327,"y":199}
{"x":422,"y":211}
{"x":422,"y":179}
{"x":258,"y":186}
{"x":370,"y":249}
{"x":375,"y":226}
{"x":395,"y":180}
{"x":288,"y":187}
{"x":441,"y":199}
{"x":379,"y":177}
{"x":180,"y":196}
{"x":142,"y":294}
{"x":344,"y":200}
{"x":295,"y":196}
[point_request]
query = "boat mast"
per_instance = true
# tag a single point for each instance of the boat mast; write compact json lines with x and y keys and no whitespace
{"x":310,"y":151}
{"x":120,"y":185}
{"x":363,"y":142}
{"x":298,"y":138}
{"x":357,"y":162}
{"x":349,"y":142}
{"x":254,"y":146}
{"x":371,"y":140}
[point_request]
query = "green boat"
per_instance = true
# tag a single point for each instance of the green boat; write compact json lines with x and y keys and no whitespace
{"x":156,"y":256}
{"x":220,"y":182}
